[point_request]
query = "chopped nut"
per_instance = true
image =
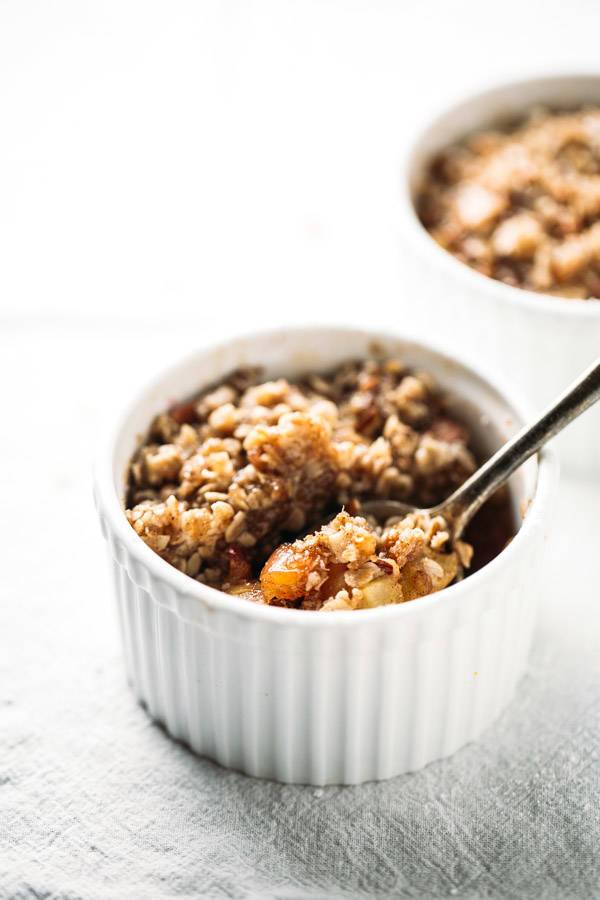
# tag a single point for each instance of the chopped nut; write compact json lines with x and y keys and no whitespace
{"x":518,"y":236}
{"x":476,"y":206}
{"x":163,"y":463}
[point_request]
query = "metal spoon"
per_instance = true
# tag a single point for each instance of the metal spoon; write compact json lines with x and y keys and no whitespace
{"x":462,"y":505}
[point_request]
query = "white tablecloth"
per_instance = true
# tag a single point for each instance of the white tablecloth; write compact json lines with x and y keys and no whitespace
{"x":167,"y":172}
{"x":97,"y":802}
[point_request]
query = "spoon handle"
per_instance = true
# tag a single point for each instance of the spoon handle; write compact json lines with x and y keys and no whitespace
{"x":465,"y":502}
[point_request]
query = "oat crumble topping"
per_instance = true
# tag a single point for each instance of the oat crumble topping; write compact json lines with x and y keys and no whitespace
{"x":522,"y":205}
{"x":233,"y":486}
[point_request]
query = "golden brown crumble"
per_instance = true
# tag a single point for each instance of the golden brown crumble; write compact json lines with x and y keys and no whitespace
{"x":225,"y":483}
{"x":353,"y":564}
{"x":522,"y":205}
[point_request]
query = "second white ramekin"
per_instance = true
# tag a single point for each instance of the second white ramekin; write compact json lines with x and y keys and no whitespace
{"x":324,"y":697}
{"x":538,"y":342}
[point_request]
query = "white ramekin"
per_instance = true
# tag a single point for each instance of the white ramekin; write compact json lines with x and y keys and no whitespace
{"x":538,"y":342}
{"x":324,"y":697}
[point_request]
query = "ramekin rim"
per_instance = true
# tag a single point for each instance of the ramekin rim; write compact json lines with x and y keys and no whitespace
{"x":110,"y":508}
{"x":420,"y":238}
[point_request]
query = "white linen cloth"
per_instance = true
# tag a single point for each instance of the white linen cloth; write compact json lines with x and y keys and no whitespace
{"x":97,"y":802}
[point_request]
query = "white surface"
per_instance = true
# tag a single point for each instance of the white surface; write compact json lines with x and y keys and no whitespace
{"x":226,"y":162}
{"x":159,"y":157}
{"x":330,"y":697}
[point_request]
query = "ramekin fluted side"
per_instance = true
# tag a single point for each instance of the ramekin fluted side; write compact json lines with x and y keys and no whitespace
{"x":322,"y":705}
{"x":539,"y":351}
{"x":324,"y":697}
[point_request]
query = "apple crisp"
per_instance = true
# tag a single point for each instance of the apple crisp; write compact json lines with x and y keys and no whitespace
{"x":255,"y":487}
{"x":522,"y":204}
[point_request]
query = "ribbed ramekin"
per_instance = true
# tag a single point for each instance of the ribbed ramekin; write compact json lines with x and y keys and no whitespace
{"x":324,"y":697}
{"x":538,"y":342}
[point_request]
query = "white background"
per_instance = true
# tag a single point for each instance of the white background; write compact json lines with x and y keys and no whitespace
{"x":161,"y":160}
{"x":170,"y":171}
{"x":174,"y":170}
